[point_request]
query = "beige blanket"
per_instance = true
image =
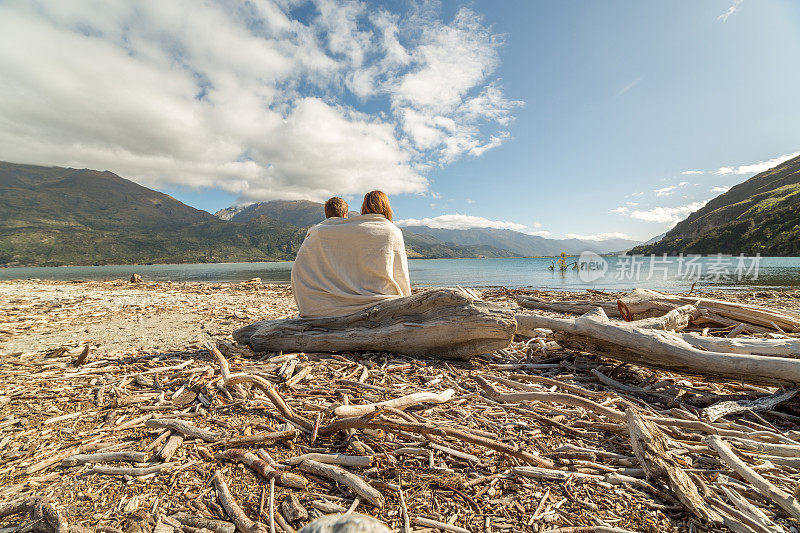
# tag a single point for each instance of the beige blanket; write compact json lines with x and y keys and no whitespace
{"x":346,"y":265}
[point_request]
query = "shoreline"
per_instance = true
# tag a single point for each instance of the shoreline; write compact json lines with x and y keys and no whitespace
{"x":5,"y":266}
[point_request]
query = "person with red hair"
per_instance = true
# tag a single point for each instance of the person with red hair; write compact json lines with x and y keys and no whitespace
{"x":346,"y":265}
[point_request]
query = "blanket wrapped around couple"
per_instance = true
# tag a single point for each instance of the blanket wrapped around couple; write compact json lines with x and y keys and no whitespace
{"x":346,"y":265}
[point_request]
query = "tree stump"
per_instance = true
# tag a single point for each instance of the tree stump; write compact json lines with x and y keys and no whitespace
{"x":444,"y":323}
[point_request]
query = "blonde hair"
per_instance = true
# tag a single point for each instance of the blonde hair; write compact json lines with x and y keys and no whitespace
{"x":378,"y":203}
{"x":336,"y":207}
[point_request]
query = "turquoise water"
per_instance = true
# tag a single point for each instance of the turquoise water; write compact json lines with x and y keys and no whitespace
{"x":772,"y":272}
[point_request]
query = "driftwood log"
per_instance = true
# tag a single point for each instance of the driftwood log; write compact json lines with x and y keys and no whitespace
{"x":445,"y":323}
{"x":661,"y":349}
{"x":642,"y":303}
{"x":576,"y":307}
{"x":777,"y":347}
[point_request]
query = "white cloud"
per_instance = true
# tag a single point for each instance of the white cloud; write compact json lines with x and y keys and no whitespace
{"x":458,"y":221}
{"x":723,"y":188}
{"x":540,"y":233}
{"x":621,"y":210}
{"x":631,"y":203}
{"x":730,"y":11}
{"x":629,"y":86}
{"x":668,"y":215}
{"x":755,"y":168}
{"x":666,"y":191}
{"x":597,"y":237}
{"x":690,"y":172}
{"x":240,"y":96}
{"x":638,"y":194}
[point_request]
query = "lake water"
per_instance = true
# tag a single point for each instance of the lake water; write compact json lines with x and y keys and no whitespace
{"x":621,"y":273}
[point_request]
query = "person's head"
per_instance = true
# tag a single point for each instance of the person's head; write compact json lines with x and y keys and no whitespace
{"x":377,"y":202}
{"x":336,"y":207}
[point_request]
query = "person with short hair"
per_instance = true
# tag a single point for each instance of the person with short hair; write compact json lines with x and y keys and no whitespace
{"x":346,"y":265}
{"x":336,"y":207}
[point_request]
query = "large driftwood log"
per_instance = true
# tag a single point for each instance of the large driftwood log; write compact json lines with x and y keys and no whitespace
{"x":644,"y":302}
{"x":446,"y":323}
{"x":661,"y":349}
{"x":777,"y":347}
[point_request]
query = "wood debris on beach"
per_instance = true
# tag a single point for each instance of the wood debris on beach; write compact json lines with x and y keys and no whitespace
{"x":202,"y":434}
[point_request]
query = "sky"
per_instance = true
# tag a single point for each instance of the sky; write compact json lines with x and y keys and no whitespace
{"x":589,"y":119}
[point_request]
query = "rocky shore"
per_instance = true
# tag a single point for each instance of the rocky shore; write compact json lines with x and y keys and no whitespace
{"x":131,"y":369}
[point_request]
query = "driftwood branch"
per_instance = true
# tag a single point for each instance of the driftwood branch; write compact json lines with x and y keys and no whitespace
{"x":340,"y":475}
{"x":428,"y":429}
{"x":445,"y":323}
{"x":185,"y":429}
{"x":263,"y":468}
{"x":200,"y":522}
{"x":575,"y":307}
{"x":108,"y":457}
{"x":397,"y":403}
{"x":243,"y":523}
{"x":595,"y":332}
{"x":718,"y":410}
{"x":652,"y":450}
{"x":784,"y":500}
{"x":44,"y":516}
{"x":645,"y":302}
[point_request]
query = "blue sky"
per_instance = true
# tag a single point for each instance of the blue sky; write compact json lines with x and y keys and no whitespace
{"x":558,"y":118}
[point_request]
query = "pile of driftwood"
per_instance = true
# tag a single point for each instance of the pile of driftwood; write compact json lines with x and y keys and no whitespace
{"x":566,"y":428}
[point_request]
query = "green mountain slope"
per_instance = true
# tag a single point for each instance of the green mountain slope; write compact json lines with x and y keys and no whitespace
{"x":54,"y":216}
{"x":761,"y":215}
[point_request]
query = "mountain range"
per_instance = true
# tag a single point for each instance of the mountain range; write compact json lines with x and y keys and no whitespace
{"x":55,"y":216}
{"x":422,"y":240}
{"x":760,"y":215}
{"x":521,"y":244}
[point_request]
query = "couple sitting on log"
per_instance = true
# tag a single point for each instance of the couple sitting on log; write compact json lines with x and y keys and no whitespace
{"x":348,"y":264}
{"x":350,"y":282}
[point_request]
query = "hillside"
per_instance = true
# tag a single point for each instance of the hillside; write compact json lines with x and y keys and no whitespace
{"x":55,"y":216}
{"x":761,"y":215}
{"x":521,"y":244}
{"x":59,"y":216}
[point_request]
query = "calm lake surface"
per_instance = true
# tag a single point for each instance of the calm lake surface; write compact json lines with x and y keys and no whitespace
{"x":612,"y":273}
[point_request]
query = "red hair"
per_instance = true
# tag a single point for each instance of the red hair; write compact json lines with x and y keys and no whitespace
{"x":378,"y":203}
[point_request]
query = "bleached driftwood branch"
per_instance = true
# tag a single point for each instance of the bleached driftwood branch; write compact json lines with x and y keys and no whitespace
{"x":652,"y":450}
{"x":783,"y":499}
{"x":625,"y":342}
{"x":644,"y":302}
{"x":398,"y":403}
{"x":577,"y":307}
{"x":340,"y":475}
